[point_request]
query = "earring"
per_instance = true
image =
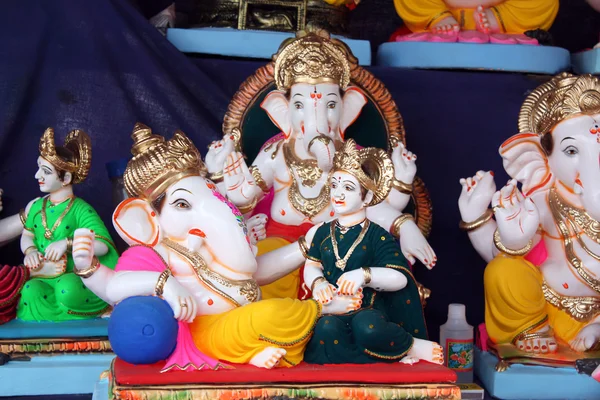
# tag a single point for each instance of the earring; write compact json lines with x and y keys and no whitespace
{"x":64,"y":184}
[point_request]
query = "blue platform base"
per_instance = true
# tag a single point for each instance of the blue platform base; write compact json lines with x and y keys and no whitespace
{"x":72,"y":329}
{"x":64,"y":374}
{"x":524,"y":382}
{"x":247,"y":43}
{"x":491,"y":57}
{"x":586,"y":62}
{"x":101,"y":390}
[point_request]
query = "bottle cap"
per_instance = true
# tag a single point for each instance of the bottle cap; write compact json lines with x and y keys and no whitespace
{"x":116,"y":168}
{"x":457,"y":311}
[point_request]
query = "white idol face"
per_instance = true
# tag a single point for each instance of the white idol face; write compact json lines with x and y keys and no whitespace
{"x":315,"y":109}
{"x":346,"y":194}
{"x":193,"y":206}
{"x":47,"y":177}
{"x":575,"y":158}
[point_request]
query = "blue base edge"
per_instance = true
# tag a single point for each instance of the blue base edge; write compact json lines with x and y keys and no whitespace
{"x":64,"y":374}
{"x":523,"y":382}
{"x":71,"y":329}
{"x":247,"y":43}
{"x":586,"y":62}
{"x":101,"y":390}
{"x":491,"y":57}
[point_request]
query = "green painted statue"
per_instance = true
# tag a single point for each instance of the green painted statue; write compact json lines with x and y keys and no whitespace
{"x":52,"y":291}
{"x":357,"y":263}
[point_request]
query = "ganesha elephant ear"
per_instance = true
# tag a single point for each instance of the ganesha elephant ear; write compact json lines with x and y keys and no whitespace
{"x":525,"y":160}
{"x":354,"y":101}
{"x":136,"y":222}
{"x":277,"y":107}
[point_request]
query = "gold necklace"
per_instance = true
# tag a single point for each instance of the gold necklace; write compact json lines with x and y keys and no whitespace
{"x":561,"y":211}
{"x":309,"y":207}
{"x":247,"y":288}
{"x":308,"y":170}
{"x":49,"y":233}
{"x":341,"y":263}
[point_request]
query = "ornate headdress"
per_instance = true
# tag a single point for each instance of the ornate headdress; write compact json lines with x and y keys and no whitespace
{"x":158,"y":163}
{"x":349,"y":159}
{"x":79,"y":143}
{"x":563,"y":96}
{"x":313,"y":57}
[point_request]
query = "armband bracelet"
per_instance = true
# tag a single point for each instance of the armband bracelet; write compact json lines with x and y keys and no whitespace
{"x":162,"y":280}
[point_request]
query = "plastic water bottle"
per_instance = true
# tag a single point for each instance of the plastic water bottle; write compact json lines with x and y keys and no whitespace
{"x":456,"y":337}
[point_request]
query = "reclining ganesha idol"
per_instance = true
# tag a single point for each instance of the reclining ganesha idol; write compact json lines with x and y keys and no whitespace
{"x":190,"y":247}
{"x":313,"y":106}
{"x":542,"y":289}
{"x":46,"y":287}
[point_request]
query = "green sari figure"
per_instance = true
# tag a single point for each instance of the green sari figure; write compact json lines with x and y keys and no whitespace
{"x":353,"y":258}
{"x":53,"y":291}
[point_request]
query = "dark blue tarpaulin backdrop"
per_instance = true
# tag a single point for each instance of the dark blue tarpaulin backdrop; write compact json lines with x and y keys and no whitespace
{"x":99,"y":66}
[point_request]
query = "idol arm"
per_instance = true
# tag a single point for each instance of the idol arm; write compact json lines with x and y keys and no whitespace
{"x":241,"y":186}
{"x":10,"y":228}
{"x":113,"y":287}
{"x":386,"y":280}
{"x":312,"y":271}
{"x":397,"y":199}
{"x":277,"y":263}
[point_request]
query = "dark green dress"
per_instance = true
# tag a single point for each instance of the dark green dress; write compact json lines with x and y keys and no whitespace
{"x":383,"y":329}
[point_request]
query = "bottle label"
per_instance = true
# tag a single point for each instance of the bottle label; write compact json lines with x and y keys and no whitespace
{"x":459,"y":354}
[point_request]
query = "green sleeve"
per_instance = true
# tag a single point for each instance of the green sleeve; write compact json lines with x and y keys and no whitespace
{"x":387,"y":250}
{"x":314,"y":253}
{"x":88,"y":218}
{"x":33,"y":211}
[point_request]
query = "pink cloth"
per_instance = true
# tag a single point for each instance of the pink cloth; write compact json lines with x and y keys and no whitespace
{"x":482,"y":337}
{"x":538,"y":254}
{"x":186,"y":355}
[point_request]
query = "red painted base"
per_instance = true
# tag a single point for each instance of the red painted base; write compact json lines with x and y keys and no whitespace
{"x":396,"y":373}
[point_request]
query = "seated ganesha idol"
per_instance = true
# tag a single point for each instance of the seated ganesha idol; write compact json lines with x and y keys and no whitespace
{"x":46,"y":287}
{"x":479,"y":18}
{"x":190,"y":247}
{"x":352,"y":257}
{"x":541,"y":284}
{"x":313,"y":106}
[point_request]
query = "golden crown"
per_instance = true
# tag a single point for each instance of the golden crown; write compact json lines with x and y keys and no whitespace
{"x":351,"y":160}
{"x":79,"y":143}
{"x":563,"y":96}
{"x":313,"y":57}
{"x":158,"y":163}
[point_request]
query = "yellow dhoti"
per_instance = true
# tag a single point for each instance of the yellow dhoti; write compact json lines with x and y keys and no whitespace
{"x":515,"y":303}
{"x":238,"y":335}
{"x":286,"y":287}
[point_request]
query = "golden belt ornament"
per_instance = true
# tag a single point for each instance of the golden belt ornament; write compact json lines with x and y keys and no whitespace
{"x":581,"y":308}
{"x":249,"y":289}
{"x":562,"y":211}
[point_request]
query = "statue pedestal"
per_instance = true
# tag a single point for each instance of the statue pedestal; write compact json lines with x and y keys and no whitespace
{"x":247,"y":43}
{"x":533,"y":382}
{"x":372,"y":381}
{"x":586,"y":62}
{"x":491,"y":57}
{"x":66,"y":357}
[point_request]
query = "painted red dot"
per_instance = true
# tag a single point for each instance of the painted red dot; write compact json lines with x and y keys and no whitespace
{"x":210,"y":302}
{"x":331,"y":213}
{"x":153,"y":214}
{"x":282,"y":212}
{"x":566,"y":285}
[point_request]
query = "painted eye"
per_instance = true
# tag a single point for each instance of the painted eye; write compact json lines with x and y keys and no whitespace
{"x":331,"y":104}
{"x":181,"y":204}
{"x":333,"y":185}
{"x":349,"y":188}
{"x":571,"y":151}
{"x":298,"y":105}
